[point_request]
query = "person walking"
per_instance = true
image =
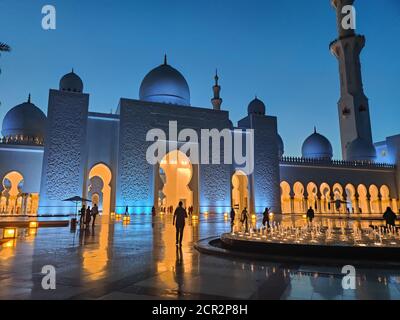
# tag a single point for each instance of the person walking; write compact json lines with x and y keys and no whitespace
{"x":310,"y":214}
{"x":244,"y":219}
{"x":266,"y":217}
{"x":126,"y":210}
{"x":88,"y":216}
{"x":233,"y":214}
{"x":390,"y":217}
{"x":82,"y":215}
{"x":95,"y":212}
{"x":179,"y":221}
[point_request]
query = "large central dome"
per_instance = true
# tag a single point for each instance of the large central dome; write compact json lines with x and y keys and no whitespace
{"x":165,"y":84}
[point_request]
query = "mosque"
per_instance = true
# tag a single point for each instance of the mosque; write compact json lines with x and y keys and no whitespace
{"x":71,"y":151}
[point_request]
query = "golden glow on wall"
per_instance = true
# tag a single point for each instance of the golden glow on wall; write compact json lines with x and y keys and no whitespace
{"x":178,"y":174}
{"x":104,"y":173}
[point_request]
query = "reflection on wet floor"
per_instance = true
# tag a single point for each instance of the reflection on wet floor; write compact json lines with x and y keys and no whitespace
{"x":139,"y":260}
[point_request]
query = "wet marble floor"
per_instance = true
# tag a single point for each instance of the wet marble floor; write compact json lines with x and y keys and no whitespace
{"x":140,"y":261}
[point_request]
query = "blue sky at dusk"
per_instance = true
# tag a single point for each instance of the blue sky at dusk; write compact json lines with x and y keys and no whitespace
{"x":275,"y":49}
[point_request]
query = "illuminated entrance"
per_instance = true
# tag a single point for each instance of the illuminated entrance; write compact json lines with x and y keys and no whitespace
{"x":100,"y":177}
{"x":176,"y":180}
{"x":240,"y":191}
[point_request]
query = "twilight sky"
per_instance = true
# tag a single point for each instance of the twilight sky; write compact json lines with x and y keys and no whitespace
{"x":275,"y":49}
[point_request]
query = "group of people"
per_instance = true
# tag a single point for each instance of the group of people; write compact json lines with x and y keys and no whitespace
{"x":88,"y":215}
{"x":244,"y":218}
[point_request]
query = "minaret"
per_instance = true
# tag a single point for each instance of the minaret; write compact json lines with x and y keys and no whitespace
{"x":216,"y":101}
{"x":353,"y":105}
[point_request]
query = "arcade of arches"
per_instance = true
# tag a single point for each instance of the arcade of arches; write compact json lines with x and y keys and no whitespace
{"x":100,"y":177}
{"x":13,"y":200}
{"x":325,"y":198}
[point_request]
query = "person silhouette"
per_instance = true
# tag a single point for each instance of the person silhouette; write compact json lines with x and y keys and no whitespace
{"x":95,"y":212}
{"x":390,"y":217}
{"x":244,"y":219}
{"x":82,"y":215}
{"x":233,"y":214}
{"x":310,"y":214}
{"x":266,"y":217}
{"x":179,"y":221}
{"x":88,"y":217}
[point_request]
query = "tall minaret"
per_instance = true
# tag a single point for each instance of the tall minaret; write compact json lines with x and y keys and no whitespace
{"x":353,"y":105}
{"x":216,"y":101}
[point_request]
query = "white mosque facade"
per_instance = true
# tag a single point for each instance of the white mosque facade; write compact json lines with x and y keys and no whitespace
{"x":71,"y":151}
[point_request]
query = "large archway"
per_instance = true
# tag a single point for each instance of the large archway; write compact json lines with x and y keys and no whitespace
{"x":385,"y":197}
{"x":240,"y":191}
{"x":312,"y":196}
{"x":339,"y":205}
{"x":100,"y":177}
{"x":175,"y":181}
{"x":351,"y":205}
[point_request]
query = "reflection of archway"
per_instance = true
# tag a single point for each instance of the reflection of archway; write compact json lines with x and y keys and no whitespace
{"x":100,"y":177}
{"x":285,"y":197}
{"x":385,"y":197}
{"x":325,"y":197}
{"x":351,"y":198}
{"x":11,"y":196}
{"x":362,"y":199}
{"x":240,"y":191}
{"x":312,"y":191}
{"x":176,"y":174}
{"x":298,"y":205}
{"x":374,"y":199}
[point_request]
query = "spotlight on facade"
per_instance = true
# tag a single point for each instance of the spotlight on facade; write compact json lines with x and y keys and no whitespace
{"x":9,"y":233}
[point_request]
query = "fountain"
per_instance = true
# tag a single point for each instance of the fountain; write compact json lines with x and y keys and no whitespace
{"x":318,"y":240}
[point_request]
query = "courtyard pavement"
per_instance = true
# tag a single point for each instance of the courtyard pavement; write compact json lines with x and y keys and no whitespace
{"x":140,"y":261}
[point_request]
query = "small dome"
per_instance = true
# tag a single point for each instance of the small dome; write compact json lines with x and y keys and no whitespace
{"x":361,"y":150}
{"x":165,"y":84}
{"x":71,"y":82}
{"x":316,"y":146}
{"x":25,"y":120}
{"x":281,"y":146}
{"x":256,"y":107}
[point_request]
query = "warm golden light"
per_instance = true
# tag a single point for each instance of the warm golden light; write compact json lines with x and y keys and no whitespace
{"x":304,"y":216}
{"x":9,"y":233}
{"x":126,"y":219}
{"x":118,"y":217}
{"x":195,"y":217}
{"x":226,"y":215}
{"x":253,"y":216}
{"x":33,"y":224}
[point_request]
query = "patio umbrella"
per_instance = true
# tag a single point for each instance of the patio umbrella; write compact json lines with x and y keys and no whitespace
{"x":77,"y":199}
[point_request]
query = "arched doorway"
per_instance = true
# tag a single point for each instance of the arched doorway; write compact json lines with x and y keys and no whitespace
{"x":175,"y":181}
{"x":385,"y":197}
{"x":312,"y":191}
{"x":374,"y":199}
{"x":362,"y":199}
{"x":100,"y":177}
{"x":11,"y":196}
{"x":285,"y":197}
{"x":298,"y":205}
{"x":351,"y":198}
{"x":338,"y":204}
{"x":325,"y":197}
{"x":240,"y":191}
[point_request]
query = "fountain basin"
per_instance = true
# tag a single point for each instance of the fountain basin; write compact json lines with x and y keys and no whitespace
{"x":316,"y":251}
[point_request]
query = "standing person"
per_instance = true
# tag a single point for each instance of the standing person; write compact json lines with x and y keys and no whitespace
{"x":88,"y":216}
{"x":266,"y":217}
{"x":126,"y":210}
{"x":233,"y":213}
{"x":95,"y":212}
{"x":244,"y":219}
{"x":310,"y":214}
{"x":179,"y":221}
{"x":153,"y":211}
{"x":390,"y":217}
{"x":82,"y":215}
